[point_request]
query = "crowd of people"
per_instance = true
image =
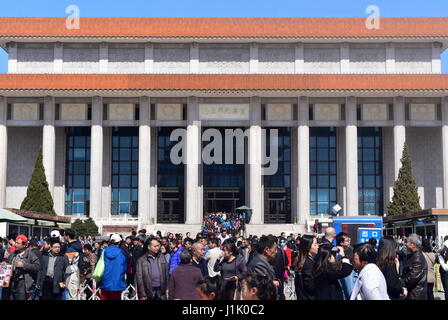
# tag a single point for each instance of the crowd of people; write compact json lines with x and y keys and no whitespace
{"x":221,"y":266}
{"x":232,"y":222}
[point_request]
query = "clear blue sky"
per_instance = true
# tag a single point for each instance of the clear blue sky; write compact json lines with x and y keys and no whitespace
{"x":227,"y":8}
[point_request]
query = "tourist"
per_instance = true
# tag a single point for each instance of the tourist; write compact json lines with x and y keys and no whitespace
{"x":304,"y":280}
{"x":25,"y":266}
{"x":182,"y":283}
{"x":415,"y":270}
{"x":389,"y":266}
{"x":330,"y":236}
{"x":209,"y":288}
{"x":259,"y":264}
{"x":51,"y":276}
{"x":198,"y":261}
{"x":258,"y":287}
{"x":176,"y":250}
{"x":347,"y":283}
{"x":89,"y":261}
{"x":280,"y":264}
{"x":152,"y":273}
{"x":232,"y":269}
{"x":115,"y":265}
{"x":73,"y":250}
{"x":371,"y":284}
{"x":327,"y":272}
{"x":430,"y":258}
{"x":213,"y":254}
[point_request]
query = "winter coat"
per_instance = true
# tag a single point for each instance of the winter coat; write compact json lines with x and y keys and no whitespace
{"x":60,"y":265}
{"x":304,"y":281}
{"x":182,"y":282}
{"x":28,"y":272}
{"x":259,"y":265}
{"x":415,"y":276}
{"x":115,"y":267}
{"x":327,"y":286}
{"x":370,"y":284}
{"x":175,"y":259}
{"x":394,"y":286}
{"x":143,"y":276}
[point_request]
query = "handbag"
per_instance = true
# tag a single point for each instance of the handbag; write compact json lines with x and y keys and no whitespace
{"x":99,"y":269}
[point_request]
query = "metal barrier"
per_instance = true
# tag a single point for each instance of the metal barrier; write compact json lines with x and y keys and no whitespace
{"x":87,"y":292}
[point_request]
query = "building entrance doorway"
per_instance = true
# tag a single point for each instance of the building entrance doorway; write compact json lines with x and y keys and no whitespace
{"x":223,"y":199}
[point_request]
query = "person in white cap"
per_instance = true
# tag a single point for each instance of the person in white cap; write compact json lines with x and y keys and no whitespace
{"x":115,"y":266}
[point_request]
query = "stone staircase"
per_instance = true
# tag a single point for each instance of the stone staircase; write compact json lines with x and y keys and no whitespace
{"x":252,"y":229}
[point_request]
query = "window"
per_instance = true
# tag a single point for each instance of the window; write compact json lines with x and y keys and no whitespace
{"x":170,"y":178}
{"x":77,"y":171}
{"x":277,"y":187}
{"x":125,"y":171}
{"x":370,"y":171}
{"x":323,"y":176}
{"x":224,"y":175}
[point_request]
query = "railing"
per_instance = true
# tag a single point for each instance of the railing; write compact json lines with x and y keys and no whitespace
{"x":87,"y":292}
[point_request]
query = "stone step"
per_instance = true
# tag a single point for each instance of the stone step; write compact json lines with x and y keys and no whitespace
{"x":251,"y":229}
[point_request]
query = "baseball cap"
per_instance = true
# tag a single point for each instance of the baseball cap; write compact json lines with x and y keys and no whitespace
{"x":115,"y":237}
{"x":22,"y":237}
{"x":55,"y":234}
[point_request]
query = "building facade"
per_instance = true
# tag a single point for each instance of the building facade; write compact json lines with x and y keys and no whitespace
{"x":103,"y":101}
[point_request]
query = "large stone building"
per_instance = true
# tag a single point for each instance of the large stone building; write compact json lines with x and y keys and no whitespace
{"x":102,"y":101}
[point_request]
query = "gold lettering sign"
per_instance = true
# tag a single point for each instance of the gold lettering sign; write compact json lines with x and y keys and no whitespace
{"x":224,"y":111}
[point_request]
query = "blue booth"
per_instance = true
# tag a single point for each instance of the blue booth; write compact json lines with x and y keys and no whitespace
{"x":360,"y":228}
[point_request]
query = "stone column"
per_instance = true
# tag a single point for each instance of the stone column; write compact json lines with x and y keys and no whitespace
{"x":193,"y":205}
{"x":253,"y":57}
{"x":194,"y":57}
{"x":445,"y":150}
{"x":399,"y":133}
{"x":104,"y":57}
{"x":3,"y":151}
{"x":12,"y":57}
{"x":96,"y":158}
{"x":351,"y":157}
{"x":345,"y":57}
{"x":49,"y":142}
{"x":149,"y":57}
{"x":303,"y":160}
{"x":390,"y":57}
{"x":255,"y":157}
{"x":144,"y":161}
{"x":299,"y":58}
{"x":58,"y":52}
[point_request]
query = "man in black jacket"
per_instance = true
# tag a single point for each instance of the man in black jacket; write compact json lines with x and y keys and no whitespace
{"x":51,"y":276}
{"x":415,"y":270}
{"x":259,"y":264}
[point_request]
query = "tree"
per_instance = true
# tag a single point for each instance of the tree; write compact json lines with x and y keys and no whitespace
{"x":38,"y":197}
{"x":405,"y":198}
{"x":85,"y":228}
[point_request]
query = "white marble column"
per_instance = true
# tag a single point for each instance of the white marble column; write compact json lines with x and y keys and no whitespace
{"x":255,"y":157}
{"x":96,"y":158}
{"x":49,"y":142}
{"x":193,"y":204}
{"x":445,"y":150}
{"x":303,"y":160}
{"x":351,"y":157}
{"x":399,"y":133}
{"x":12,"y":57}
{"x":3,"y":151}
{"x":144,"y":162}
{"x":253,"y":57}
